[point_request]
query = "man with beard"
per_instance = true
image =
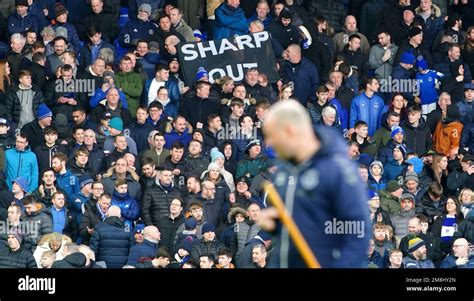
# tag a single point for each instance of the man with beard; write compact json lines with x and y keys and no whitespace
{"x":417,"y":258}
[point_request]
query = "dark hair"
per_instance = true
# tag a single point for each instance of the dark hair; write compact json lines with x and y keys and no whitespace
{"x":38,"y":44}
{"x":435,"y":189}
{"x":38,"y":56}
{"x":29,"y":199}
{"x":155,"y":104}
{"x":66,"y":67}
{"x":59,"y":38}
{"x":147,"y":161}
{"x":360,"y":123}
{"x":211,"y":117}
{"x":79,"y":108}
{"x":47,"y":170}
{"x":414,"y":108}
{"x":224,"y":251}
{"x":160,"y":67}
{"x":177,"y":145}
{"x":163,"y":252}
{"x":242,"y":118}
{"x":354,"y":36}
{"x":50,"y":130}
{"x":92,"y":31}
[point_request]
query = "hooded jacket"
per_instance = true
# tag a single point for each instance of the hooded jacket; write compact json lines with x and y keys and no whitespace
{"x":447,"y":136}
{"x":129,"y":208}
{"x":230,"y":21}
{"x":42,"y":219}
{"x":251,"y":167}
{"x":156,"y":203}
{"x":21,"y":164}
{"x":417,"y":138}
{"x":369,"y":110}
{"x":19,"y":259}
{"x":374,"y":184}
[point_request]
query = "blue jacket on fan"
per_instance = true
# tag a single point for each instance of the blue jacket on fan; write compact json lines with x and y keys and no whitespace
{"x":111,"y":242}
{"x":323,"y":192}
{"x":135,"y":30}
{"x":230,"y":21}
{"x":21,"y":164}
{"x":305,"y":79}
{"x":69,"y":184}
{"x":369,"y":110}
{"x":129,"y":207}
{"x":17,"y":24}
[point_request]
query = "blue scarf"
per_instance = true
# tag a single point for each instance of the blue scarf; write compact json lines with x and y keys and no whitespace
{"x":448,"y":228}
{"x":101,"y":214}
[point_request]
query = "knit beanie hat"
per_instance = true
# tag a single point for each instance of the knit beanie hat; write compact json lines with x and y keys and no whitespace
{"x":415,"y":243}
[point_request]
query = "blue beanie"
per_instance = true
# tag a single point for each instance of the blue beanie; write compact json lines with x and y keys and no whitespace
{"x":402,"y":149}
{"x":407,"y":58}
{"x":208,"y":227}
{"x":421,"y":64}
{"x":201,"y":73}
{"x":215,"y":154}
{"x":43,"y":112}
{"x":395,"y":130}
{"x":84,"y":180}
{"x":186,"y":244}
{"x":417,"y":164}
{"x":23,"y":183}
{"x":372,"y":194}
{"x":264,"y":235}
{"x":116,"y":123}
{"x":190,"y":224}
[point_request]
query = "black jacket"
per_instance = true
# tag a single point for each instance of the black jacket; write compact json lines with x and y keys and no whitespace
{"x":197,"y":109}
{"x":19,"y":259}
{"x":417,"y":139}
{"x":71,"y":261}
{"x":111,"y":242}
{"x":96,"y":160}
{"x":156,"y":204}
{"x":45,"y":154}
{"x":38,"y":75}
{"x":168,"y":228}
{"x":428,"y":208}
{"x":43,"y":220}
{"x":433,"y":248}
{"x":203,"y":247}
{"x":139,"y":133}
{"x":90,"y":218}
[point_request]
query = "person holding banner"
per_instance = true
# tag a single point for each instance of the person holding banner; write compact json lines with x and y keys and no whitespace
{"x":321,"y":191}
{"x":230,"y":20}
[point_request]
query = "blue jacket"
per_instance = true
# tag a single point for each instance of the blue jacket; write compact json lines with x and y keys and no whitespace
{"x":139,"y":133}
{"x":174,"y":136}
{"x":320,"y":192}
{"x":101,"y":95}
{"x":145,"y":249}
{"x":69,"y":184}
{"x":85,"y":53}
{"x":305,"y":78}
{"x":170,"y":85}
{"x":449,"y":262}
{"x":392,"y":169}
{"x":342,"y":115}
{"x":21,"y":164}
{"x":149,"y":61}
{"x":17,"y":24}
{"x":427,"y":84}
{"x":111,"y":243}
{"x":465,"y":109}
{"x":369,"y":110}
{"x":265,"y":22}
{"x":135,"y":30}
{"x":129,"y":207}
{"x":400,"y":73}
{"x":76,"y":206}
{"x":229,"y":22}
{"x":467,"y":136}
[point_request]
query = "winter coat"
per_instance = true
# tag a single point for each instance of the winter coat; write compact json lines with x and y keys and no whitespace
{"x":447,"y":136}
{"x":145,"y":249}
{"x":449,"y":262}
{"x":357,"y":60}
{"x":371,"y":12}
{"x":348,"y":199}
{"x":85,"y":53}
{"x":69,"y":183}
{"x":139,"y":133}
{"x":369,"y":110}
{"x":205,"y":247}
{"x":197,"y":109}
{"x":105,"y":21}
{"x":111,"y":242}
{"x":44,"y":155}
{"x":466,"y":230}
{"x":43,"y":221}
{"x":400,"y":222}
{"x":168,"y":228}
{"x":428,"y":209}
{"x":411,"y":263}
{"x":19,"y":259}
{"x":96,"y":160}
{"x":13,"y":105}
{"x":70,"y":226}
{"x":465,"y":110}
{"x":156,"y":203}
{"x":18,"y":24}
{"x":383,"y":70}
{"x":134,"y":189}
{"x":389,"y":203}
{"x":251,"y":167}
{"x":129,"y":208}
{"x":433,"y":249}
{"x":305,"y":78}
{"x":195,"y":166}
{"x":171,"y":85}
{"x":174,"y":136}
{"x":333,"y":11}
{"x":342,"y":38}
{"x":71,"y":261}
{"x":90,"y":218}
{"x":432,"y":26}
{"x":194,"y":12}
{"x":283,"y":36}
{"x":417,"y":139}
{"x":21,"y":164}
{"x":131,"y":84}
{"x":229,"y":22}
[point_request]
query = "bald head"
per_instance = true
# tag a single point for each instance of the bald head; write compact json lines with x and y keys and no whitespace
{"x":294,"y":53}
{"x":350,"y":23}
{"x":151,"y":233}
{"x":289,"y":113}
{"x":113,"y":211}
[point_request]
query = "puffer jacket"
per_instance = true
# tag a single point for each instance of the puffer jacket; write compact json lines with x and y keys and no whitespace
{"x":129,"y":208}
{"x":417,"y":139}
{"x":168,"y":228}
{"x":42,"y":219}
{"x":21,"y":163}
{"x":134,"y":188}
{"x":20,"y":259}
{"x":333,"y":11}
{"x":400,"y":222}
{"x":111,"y":243}
{"x":251,"y":167}
{"x":389,"y":203}
{"x":432,"y":26}
{"x":18,"y":24}
{"x":156,"y":203}
{"x":205,"y":247}
{"x":428,"y":209}
{"x":447,"y":136}
{"x":71,"y":261}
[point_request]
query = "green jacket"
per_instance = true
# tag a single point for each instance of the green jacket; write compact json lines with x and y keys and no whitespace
{"x":389,"y":203}
{"x":382,"y":137}
{"x":131,"y":84}
{"x":251,"y":167}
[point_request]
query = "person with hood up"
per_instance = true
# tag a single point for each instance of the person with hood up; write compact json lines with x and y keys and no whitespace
{"x":218,"y":158}
{"x":375,"y":176}
{"x":14,"y":255}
